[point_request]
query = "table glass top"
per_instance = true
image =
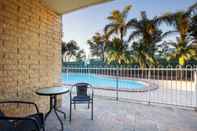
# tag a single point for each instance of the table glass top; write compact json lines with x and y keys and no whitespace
{"x":52,"y":91}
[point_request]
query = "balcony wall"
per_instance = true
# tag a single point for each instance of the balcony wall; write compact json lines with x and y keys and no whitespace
{"x":30,"y":50}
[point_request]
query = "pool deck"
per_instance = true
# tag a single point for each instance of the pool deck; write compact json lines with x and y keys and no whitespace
{"x":111,"y":115}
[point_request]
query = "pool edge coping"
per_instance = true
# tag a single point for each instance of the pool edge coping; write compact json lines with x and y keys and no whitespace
{"x":148,"y":86}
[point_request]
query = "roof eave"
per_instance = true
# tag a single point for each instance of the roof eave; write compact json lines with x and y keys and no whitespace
{"x":60,"y":9}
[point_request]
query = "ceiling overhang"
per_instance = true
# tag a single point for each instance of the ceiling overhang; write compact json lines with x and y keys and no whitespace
{"x":66,"y":6}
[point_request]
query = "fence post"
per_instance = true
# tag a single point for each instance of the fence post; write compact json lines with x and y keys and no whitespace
{"x":117,"y":73}
{"x":149,"y":79}
{"x":195,"y":86}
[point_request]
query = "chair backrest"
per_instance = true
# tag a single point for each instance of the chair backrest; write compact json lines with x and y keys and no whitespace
{"x":18,"y":108}
{"x":82,"y":89}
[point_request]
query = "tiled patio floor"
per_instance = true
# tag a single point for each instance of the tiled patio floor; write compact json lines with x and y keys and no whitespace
{"x":111,"y":115}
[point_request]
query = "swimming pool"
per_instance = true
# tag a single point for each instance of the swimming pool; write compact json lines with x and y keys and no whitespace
{"x":101,"y":81}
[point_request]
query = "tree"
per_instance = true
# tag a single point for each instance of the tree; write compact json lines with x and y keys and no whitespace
{"x":141,"y":55}
{"x":118,"y":25}
{"x":193,"y":29}
{"x":148,"y":33}
{"x":179,"y":20}
{"x":117,"y":53}
{"x":163,"y":50}
{"x":97,"y":46}
{"x":63,"y":47}
{"x":183,"y":49}
{"x":80,"y":56}
{"x":146,"y":29}
{"x":117,"y":48}
{"x":69,"y":50}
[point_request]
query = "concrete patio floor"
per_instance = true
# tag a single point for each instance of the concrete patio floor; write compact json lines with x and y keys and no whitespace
{"x":111,"y":115}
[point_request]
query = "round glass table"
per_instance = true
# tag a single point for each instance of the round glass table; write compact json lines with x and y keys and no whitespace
{"x":52,"y":92}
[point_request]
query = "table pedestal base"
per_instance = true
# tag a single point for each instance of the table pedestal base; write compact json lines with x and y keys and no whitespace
{"x":53,"y":104}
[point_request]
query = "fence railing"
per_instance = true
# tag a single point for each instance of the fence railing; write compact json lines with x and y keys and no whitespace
{"x":174,"y":86}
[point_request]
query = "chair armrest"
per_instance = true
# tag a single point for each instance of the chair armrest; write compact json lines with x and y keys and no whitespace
{"x":20,"y":102}
{"x":15,"y":119}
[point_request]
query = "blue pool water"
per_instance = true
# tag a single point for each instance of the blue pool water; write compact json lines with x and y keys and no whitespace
{"x":100,"y":81}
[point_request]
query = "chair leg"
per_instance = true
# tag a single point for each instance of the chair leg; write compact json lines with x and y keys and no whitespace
{"x":43,"y":128}
{"x":70,"y":115}
{"x":74,"y":105}
{"x":92,"y":110}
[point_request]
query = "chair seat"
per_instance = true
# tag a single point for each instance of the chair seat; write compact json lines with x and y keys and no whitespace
{"x":81,"y":98}
{"x":5,"y":125}
{"x":22,"y":125}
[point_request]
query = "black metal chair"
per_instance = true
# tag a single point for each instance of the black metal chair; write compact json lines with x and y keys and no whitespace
{"x":84,"y":95}
{"x":25,"y":122}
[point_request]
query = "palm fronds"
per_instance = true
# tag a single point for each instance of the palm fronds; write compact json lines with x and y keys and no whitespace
{"x":118,"y":24}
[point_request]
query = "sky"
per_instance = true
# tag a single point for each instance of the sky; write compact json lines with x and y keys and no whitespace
{"x":81,"y":25}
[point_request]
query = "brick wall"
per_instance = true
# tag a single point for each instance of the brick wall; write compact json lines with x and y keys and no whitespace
{"x":30,"y":45}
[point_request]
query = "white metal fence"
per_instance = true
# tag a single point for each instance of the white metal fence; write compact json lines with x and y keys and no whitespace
{"x":174,"y":86}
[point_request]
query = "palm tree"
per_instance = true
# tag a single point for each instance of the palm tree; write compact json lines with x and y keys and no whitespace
{"x":141,"y":55}
{"x":118,"y":25}
{"x":69,"y":49}
{"x":193,"y":29}
{"x":117,"y":53}
{"x":148,"y":33}
{"x":63,"y":45}
{"x":183,"y":51}
{"x":181,"y":22}
{"x":80,"y":56}
{"x":117,"y":49}
{"x":163,"y":50}
{"x":97,"y":46}
{"x":145,"y":28}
